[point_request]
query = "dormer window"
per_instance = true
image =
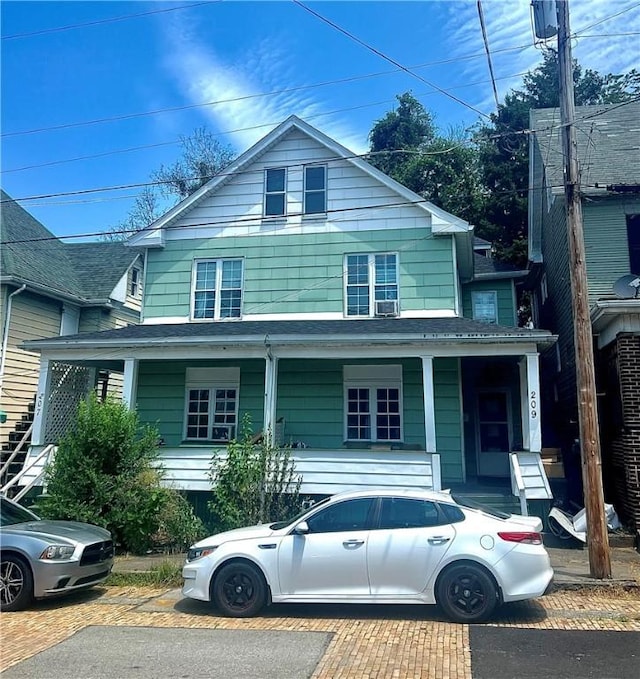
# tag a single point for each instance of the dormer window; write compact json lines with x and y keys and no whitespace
{"x":275,"y":192}
{"x":315,"y":189}
{"x":134,"y":287}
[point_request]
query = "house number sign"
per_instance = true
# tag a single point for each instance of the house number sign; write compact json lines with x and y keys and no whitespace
{"x":533,"y":405}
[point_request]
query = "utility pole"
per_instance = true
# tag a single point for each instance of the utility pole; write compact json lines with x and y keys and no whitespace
{"x":597,"y":535}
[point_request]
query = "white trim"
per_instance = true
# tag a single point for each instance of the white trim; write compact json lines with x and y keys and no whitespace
{"x":210,"y":379}
{"x":457,"y":288}
{"x":304,"y":190}
{"x":69,"y":319}
{"x":42,"y":402}
{"x":130,"y":383}
{"x":463,"y":451}
{"x":429,"y":404}
{"x":270,"y":396}
{"x":284,"y":193}
{"x":217,"y":290}
{"x":371,"y":280}
{"x":533,"y":403}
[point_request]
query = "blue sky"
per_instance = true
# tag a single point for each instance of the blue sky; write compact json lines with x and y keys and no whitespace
{"x":241,"y":56}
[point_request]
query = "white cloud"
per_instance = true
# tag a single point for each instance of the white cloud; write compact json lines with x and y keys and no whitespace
{"x":509,"y":25}
{"x":204,"y":75}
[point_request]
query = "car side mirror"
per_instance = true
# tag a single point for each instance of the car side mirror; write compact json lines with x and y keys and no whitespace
{"x":301,"y":529}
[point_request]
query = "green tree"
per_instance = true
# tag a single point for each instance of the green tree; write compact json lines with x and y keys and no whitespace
{"x":442,"y":168}
{"x":503,"y":146}
{"x":105,"y":472}
{"x":202,"y":156}
{"x":253,"y":482}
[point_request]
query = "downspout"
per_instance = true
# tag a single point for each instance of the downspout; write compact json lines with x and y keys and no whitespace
{"x":5,"y":333}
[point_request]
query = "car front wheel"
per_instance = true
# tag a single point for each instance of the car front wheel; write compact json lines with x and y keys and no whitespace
{"x":467,"y":593}
{"x":16,"y":583}
{"x":239,"y":590}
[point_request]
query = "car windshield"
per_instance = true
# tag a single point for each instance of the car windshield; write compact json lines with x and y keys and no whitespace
{"x":11,"y":513}
{"x":283,"y":524}
{"x":472,"y":504}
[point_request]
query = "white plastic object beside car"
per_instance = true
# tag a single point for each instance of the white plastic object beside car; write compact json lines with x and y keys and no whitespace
{"x":375,"y":546}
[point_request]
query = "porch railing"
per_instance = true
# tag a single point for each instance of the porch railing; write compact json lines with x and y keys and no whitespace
{"x":30,"y":474}
{"x":528,"y":479}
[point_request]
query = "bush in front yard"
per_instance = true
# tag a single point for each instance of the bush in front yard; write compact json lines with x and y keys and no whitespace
{"x":254,"y":482}
{"x":106,"y":472}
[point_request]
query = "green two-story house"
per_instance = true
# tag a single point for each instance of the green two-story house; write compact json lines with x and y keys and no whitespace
{"x":608,"y":146}
{"x":345,"y":314}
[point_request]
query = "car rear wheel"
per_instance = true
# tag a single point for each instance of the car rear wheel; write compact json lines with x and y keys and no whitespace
{"x":467,"y":593}
{"x":16,"y":583}
{"x":239,"y":590}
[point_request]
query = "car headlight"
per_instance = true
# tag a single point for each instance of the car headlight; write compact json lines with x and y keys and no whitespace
{"x":57,"y":552}
{"x":198,"y":552}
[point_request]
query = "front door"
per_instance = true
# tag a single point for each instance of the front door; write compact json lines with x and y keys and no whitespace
{"x":493,"y":432}
{"x":331,"y":559}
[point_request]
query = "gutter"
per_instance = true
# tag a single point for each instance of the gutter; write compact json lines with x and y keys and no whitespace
{"x":5,"y":332}
{"x":56,"y":294}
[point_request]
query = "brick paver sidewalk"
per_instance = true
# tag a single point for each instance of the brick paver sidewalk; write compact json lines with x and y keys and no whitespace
{"x":404,"y":642}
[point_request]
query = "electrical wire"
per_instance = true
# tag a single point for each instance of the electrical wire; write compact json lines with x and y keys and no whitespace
{"x":488,"y":52}
{"x":108,"y":20}
{"x":601,"y":21}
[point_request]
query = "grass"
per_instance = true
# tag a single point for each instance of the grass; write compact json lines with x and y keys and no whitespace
{"x":163,"y":575}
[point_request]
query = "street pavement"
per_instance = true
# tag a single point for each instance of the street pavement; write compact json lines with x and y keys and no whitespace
{"x":153,"y":633}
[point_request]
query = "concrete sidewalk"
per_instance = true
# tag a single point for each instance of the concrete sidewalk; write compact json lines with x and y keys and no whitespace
{"x":571,"y":566}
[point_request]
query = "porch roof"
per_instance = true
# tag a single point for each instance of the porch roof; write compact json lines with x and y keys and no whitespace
{"x":369,"y":331}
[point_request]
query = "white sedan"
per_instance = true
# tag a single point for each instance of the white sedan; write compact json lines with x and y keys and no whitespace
{"x":375,"y":546}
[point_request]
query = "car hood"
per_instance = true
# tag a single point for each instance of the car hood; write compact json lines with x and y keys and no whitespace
{"x":260,"y":531}
{"x":73,"y":531}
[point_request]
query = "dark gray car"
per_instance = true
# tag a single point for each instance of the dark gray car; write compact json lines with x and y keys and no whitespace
{"x":40,"y":558}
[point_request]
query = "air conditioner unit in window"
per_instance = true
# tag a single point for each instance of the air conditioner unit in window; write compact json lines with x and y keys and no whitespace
{"x":387,"y":307}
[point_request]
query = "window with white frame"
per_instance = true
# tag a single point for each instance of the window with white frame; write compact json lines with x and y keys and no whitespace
{"x":275,"y":191}
{"x":134,"y":285}
{"x":211,"y":404}
{"x":217,"y":289}
{"x":315,"y":189}
{"x":370,"y":278}
{"x":373,"y":403}
{"x":485,"y":306}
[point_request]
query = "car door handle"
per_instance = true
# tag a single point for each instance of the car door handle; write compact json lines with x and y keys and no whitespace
{"x":438,"y":540}
{"x":353,"y":543}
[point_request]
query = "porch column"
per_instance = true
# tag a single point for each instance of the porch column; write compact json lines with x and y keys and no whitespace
{"x":429,"y":403}
{"x":530,"y":400}
{"x":42,"y":403}
{"x":270,"y":397}
{"x":130,"y":382}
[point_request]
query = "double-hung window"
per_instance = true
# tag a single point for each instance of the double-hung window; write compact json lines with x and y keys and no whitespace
{"x":485,"y":306}
{"x":370,"y":278}
{"x":315,"y":189}
{"x":275,"y":192}
{"x":216,"y":289}
{"x":211,"y":407}
{"x":373,"y":403}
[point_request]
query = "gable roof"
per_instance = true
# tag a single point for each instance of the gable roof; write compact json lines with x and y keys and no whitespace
{"x":32,"y":255}
{"x":152,"y":235}
{"x":608,"y":146}
{"x":487,"y":268}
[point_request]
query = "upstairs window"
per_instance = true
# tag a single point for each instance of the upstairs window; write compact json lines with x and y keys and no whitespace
{"x":369,"y":279}
{"x":485,"y":306}
{"x":275,"y":192}
{"x":134,"y":286}
{"x":217,"y":289}
{"x":315,"y":189}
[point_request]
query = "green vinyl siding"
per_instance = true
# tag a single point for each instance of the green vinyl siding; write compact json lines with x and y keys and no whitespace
{"x":310,"y":400}
{"x":302,"y":273}
{"x":504,"y":294}
{"x":605,"y":242}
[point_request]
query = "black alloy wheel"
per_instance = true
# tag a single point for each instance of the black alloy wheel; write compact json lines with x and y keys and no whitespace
{"x":239,"y":590}
{"x":16,"y":583}
{"x":467,"y":593}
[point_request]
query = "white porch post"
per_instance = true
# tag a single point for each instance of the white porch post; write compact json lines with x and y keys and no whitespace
{"x":42,"y":403}
{"x":130,"y":382}
{"x":270,"y":397}
{"x":530,"y":398}
{"x":429,"y":403}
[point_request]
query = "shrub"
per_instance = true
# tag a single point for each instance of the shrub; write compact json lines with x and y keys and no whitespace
{"x":106,"y":472}
{"x":253,"y":483}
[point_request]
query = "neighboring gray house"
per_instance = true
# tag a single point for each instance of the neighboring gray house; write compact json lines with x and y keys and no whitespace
{"x":609,"y":154}
{"x":49,"y":288}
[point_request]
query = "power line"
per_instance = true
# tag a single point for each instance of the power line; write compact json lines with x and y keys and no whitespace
{"x":488,"y":52}
{"x":601,"y":21}
{"x":382,"y":55}
{"x":109,"y":20}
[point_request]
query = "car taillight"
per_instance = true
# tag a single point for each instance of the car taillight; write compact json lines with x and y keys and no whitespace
{"x":524,"y":538}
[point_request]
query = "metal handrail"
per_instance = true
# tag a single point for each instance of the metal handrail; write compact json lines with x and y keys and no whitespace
{"x":13,"y":455}
{"x":44,"y":453}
